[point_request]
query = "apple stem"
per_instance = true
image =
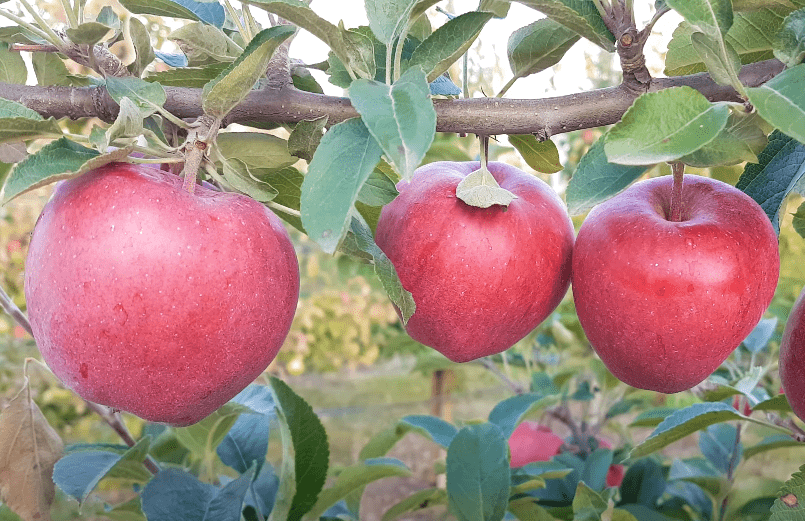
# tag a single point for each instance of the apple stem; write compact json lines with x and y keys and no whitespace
{"x":196,"y":147}
{"x":678,"y":170}
{"x":484,"y":151}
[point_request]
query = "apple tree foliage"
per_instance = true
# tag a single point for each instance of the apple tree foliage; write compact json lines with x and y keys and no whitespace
{"x":733,"y":95}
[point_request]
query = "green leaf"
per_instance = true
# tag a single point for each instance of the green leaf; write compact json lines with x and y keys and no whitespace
{"x":527,"y":509}
{"x":538,"y":46}
{"x":49,"y":69}
{"x":203,"y":44}
{"x":781,"y":166}
{"x":343,"y":161}
{"x":58,"y":160}
{"x":147,"y":96}
{"x":448,"y":43}
{"x":742,"y":139}
{"x":580,"y":16}
{"x":356,"y":477}
{"x":542,"y":156}
{"x":480,"y":189}
{"x":685,"y":422}
{"x":256,"y":150}
{"x":781,"y":101}
{"x":224,"y":93}
{"x":108,"y":17}
{"x":388,"y":18}
{"x":664,"y":126}
{"x":305,"y":138}
{"x":500,"y":8}
{"x":141,"y":41}
{"x":384,"y":270}
{"x":237,"y":175}
{"x":508,"y":413}
{"x":378,"y":190}
{"x":89,"y":33}
{"x":712,"y":17}
{"x":11,"y":109}
{"x":789,"y":42}
{"x":721,"y":60}
{"x":596,"y":179}
{"x":777,"y":441}
{"x":128,"y":124}
{"x":588,"y":505}
{"x":194,"y":77}
{"x":201,"y":438}
{"x":12,"y":67}
{"x":799,"y":220}
{"x":207,"y":12}
{"x":301,"y":429}
{"x":400,"y":117}
{"x":427,"y":498}
{"x":775,"y":403}
{"x":288,"y":181}
{"x":790,"y":504}
{"x":478,"y":474}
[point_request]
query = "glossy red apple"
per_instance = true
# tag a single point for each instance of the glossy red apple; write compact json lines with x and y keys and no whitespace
{"x":150,"y":299}
{"x":482,"y":278}
{"x":792,"y":357}
{"x":664,"y":303}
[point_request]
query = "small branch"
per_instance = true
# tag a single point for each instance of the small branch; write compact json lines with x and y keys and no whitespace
{"x":676,"y":193}
{"x":14,"y":312}
{"x":113,"y":419}
{"x":490,"y":365}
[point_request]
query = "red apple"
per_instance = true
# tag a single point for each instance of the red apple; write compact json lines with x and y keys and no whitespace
{"x":150,"y":299}
{"x":664,"y":303}
{"x":532,"y":442}
{"x":792,"y":357}
{"x":482,"y":278}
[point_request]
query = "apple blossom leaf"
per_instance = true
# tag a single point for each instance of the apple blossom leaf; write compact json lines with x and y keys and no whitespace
{"x":580,"y":16}
{"x":538,"y":46}
{"x":799,"y":220}
{"x":651,"y":132}
{"x":789,"y":42}
{"x":58,"y":160}
{"x":588,"y":505}
{"x":305,"y":138}
{"x":12,"y":67}
{"x":208,"y":12}
{"x":355,"y":478}
{"x":246,"y":443}
{"x":478,"y":473}
{"x":388,"y":18}
{"x":542,"y":156}
{"x":742,"y":139}
{"x":78,"y":473}
{"x":141,"y":42}
{"x":781,"y":166}
{"x":760,"y":335}
{"x":711,"y":17}
{"x":775,"y":441}
{"x":146,"y":96}
{"x":448,"y":43}
{"x":175,"y":495}
{"x":89,"y":33}
{"x":775,"y":403}
{"x":203,"y":44}
{"x":420,"y":500}
{"x":508,"y":413}
{"x":30,"y":450}
{"x":257,"y":150}
{"x":306,"y":471}
{"x":50,"y":69}
{"x":685,"y":422}
{"x":384,"y":269}
{"x":195,"y":77}
{"x":480,"y":189}
{"x":596,"y":179}
{"x":400,"y":117}
{"x":225,"y":92}
{"x":721,"y":60}
{"x":203,"y":437}
{"x":781,"y":102}
{"x":790,"y":503}
{"x":343,"y":161}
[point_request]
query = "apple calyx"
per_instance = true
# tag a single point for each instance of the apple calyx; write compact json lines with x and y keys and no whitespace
{"x":480,"y":189}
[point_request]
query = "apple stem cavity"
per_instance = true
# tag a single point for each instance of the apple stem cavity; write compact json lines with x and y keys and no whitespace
{"x":480,"y":188}
{"x":678,"y":170}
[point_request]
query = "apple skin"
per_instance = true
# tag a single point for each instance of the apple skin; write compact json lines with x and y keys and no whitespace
{"x":792,"y":357}
{"x":481,"y":278}
{"x":532,"y":442}
{"x":664,"y":303}
{"x":155,"y":301}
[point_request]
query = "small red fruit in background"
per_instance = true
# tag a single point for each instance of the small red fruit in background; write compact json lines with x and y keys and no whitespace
{"x":150,"y":299}
{"x":792,"y":358}
{"x":664,"y":303}
{"x":481,"y":278}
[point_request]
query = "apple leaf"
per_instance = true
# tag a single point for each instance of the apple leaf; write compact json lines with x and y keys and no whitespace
{"x":378,"y":190}
{"x":508,"y":413}
{"x":12,"y":67}
{"x":305,"y":138}
{"x":246,"y":443}
{"x":58,"y":160}
{"x":478,"y":473}
{"x":721,"y":60}
{"x":587,"y":503}
{"x":781,"y":166}
{"x":30,"y":450}
{"x":711,"y":17}
{"x":175,"y":495}
{"x":141,"y":42}
{"x":776,"y":441}
{"x":384,"y":269}
{"x":12,"y":109}
{"x":431,"y":427}
{"x":208,"y":12}
{"x":580,"y":16}
{"x":538,"y":46}
{"x":781,"y":101}
{"x":742,"y":139}
{"x":127,"y":125}
{"x":799,"y":220}
{"x":500,"y":8}
{"x":203,"y":44}
{"x":89,"y":33}
{"x":760,"y":335}
{"x":78,"y":473}
{"x":776,"y":403}
{"x":355,"y":478}
{"x":288,"y":181}
{"x":256,"y":150}
{"x":420,"y":500}
{"x":448,"y":43}
{"x":596,"y":179}
{"x":225,"y":92}
{"x":203,"y":437}
{"x":790,"y":502}
{"x":305,"y":471}
{"x":194,"y":77}
{"x":388,"y":18}
{"x":107,"y":16}
{"x":664,"y":126}
{"x":227,"y":505}
{"x":50,"y":70}
{"x":343,"y":161}
{"x":238,"y":176}
{"x":480,"y":189}
{"x":652,"y":417}
{"x":400,"y":117}
{"x":527,"y":508}
{"x":542,"y":156}
{"x":16,"y":128}
{"x":789,"y":42}
{"x":146,"y":96}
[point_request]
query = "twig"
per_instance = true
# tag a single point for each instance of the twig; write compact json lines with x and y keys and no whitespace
{"x":490,"y":365}
{"x":113,"y":419}
{"x":14,"y":312}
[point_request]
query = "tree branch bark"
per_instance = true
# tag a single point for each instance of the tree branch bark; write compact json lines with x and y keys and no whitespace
{"x":489,"y":116}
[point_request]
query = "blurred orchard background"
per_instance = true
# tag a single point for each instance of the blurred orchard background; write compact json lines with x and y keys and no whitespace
{"x":347,"y":353}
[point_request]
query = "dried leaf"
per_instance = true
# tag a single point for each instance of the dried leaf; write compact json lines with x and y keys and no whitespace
{"x":29,"y":448}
